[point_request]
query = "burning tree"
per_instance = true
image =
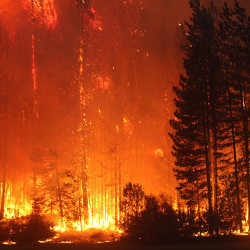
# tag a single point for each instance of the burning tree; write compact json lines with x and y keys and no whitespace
{"x":4,"y":112}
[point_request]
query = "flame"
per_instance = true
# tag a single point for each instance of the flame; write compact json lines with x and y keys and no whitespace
{"x":12,"y":211}
{"x":50,"y":14}
{"x":45,"y":241}
{"x":96,"y":22}
{"x":127,"y":125}
{"x":42,"y":10}
{"x":15,"y":207}
{"x":9,"y":243}
{"x":158,"y":152}
{"x":103,"y":83}
{"x":34,"y":77}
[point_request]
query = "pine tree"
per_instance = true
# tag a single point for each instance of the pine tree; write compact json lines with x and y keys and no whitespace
{"x":195,"y":123}
{"x":233,"y":52}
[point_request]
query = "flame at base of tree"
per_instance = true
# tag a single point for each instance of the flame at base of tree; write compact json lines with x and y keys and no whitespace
{"x":102,"y":218}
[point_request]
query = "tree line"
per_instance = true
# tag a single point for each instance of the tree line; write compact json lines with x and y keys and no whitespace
{"x":210,"y":128}
{"x":156,"y":218}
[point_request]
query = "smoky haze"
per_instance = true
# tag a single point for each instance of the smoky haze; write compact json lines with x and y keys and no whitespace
{"x":131,"y":60}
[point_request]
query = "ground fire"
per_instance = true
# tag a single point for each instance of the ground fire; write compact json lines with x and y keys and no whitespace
{"x":123,"y":120}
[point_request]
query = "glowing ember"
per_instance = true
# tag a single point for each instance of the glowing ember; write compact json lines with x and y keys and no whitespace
{"x":9,"y":243}
{"x":103,"y":83}
{"x":43,"y":11}
{"x":158,"y":152}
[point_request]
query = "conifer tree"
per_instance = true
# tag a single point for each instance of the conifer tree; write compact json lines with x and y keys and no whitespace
{"x":233,"y":52}
{"x":195,"y":135}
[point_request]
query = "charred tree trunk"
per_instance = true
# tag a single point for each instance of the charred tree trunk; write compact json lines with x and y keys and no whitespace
{"x":59,"y":191}
{"x":3,"y":195}
{"x":239,"y":222}
{"x":117,"y":128}
{"x":199,"y":212}
{"x":116,"y":195}
{"x":83,"y":8}
{"x":215,"y":172}
{"x":244,"y":112}
{"x":214,"y":158}
{"x":206,"y":132}
{"x":80,"y":212}
{"x":84,"y":190}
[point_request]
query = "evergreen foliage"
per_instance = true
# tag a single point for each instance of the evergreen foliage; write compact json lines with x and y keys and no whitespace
{"x":149,"y":218}
{"x":211,"y":119}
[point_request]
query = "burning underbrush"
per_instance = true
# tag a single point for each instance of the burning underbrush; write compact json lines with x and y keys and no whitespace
{"x":95,"y":235}
{"x":39,"y":228}
{"x":30,"y":228}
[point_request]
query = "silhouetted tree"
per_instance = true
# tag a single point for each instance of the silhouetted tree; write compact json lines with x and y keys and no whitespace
{"x":195,"y":135}
{"x":132,"y":203}
{"x":233,"y":52}
{"x":147,"y":217}
{"x":31,"y":228}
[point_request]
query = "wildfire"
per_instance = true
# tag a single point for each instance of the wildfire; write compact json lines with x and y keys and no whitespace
{"x":158,"y":152}
{"x":9,"y":243}
{"x":13,"y":206}
{"x":97,"y":231}
{"x":103,"y":83}
{"x":50,"y":14}
{"x":42,"y":10}
{"x":128,"y":125}
{"x":96,"y":22}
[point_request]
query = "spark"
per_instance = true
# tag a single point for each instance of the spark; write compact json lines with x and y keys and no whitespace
{"x":9,"y":243}
{"x":158,"y":152}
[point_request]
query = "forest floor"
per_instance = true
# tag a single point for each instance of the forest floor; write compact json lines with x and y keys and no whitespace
{"x":238,"y":243}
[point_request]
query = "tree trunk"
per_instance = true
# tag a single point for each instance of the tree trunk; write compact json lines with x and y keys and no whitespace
{"x":84,"y":190}
{"x":59,"y":191}
{"x":80,"y":212}
{"x":206,"y":132}
{"x":235,"y":162}
{"x":4,"y":167}
{"x":215,"y":162}
{"x":245,"y":127}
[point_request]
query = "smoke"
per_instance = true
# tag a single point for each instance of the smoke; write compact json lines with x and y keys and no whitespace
{"x":141,"y":42}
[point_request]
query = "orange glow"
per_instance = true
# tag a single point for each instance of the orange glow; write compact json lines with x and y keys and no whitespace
{"x":9,"y":243}
{"x":15,"y":206}
{"x":96,"y":22}
{"x":128,"y":125}
{"x":103,"y":83}
{"x":82,"y":103}
{"x":34,"y":77}
{"x":43,"y":10}
{"x":158,"y":152}
{"x":50,"y":13}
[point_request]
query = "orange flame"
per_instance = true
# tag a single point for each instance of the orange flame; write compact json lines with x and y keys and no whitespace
{"x":43,"y":10}
{"x":158,"y":152}
{"x":50,"y":14}
{"x":103,"y":83}
{"x":96,"y":22}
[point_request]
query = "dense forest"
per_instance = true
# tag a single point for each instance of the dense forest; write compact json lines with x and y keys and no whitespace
{"x":77,"y":119}
{"x":87,"y":112}
{"x":211,"y":124}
